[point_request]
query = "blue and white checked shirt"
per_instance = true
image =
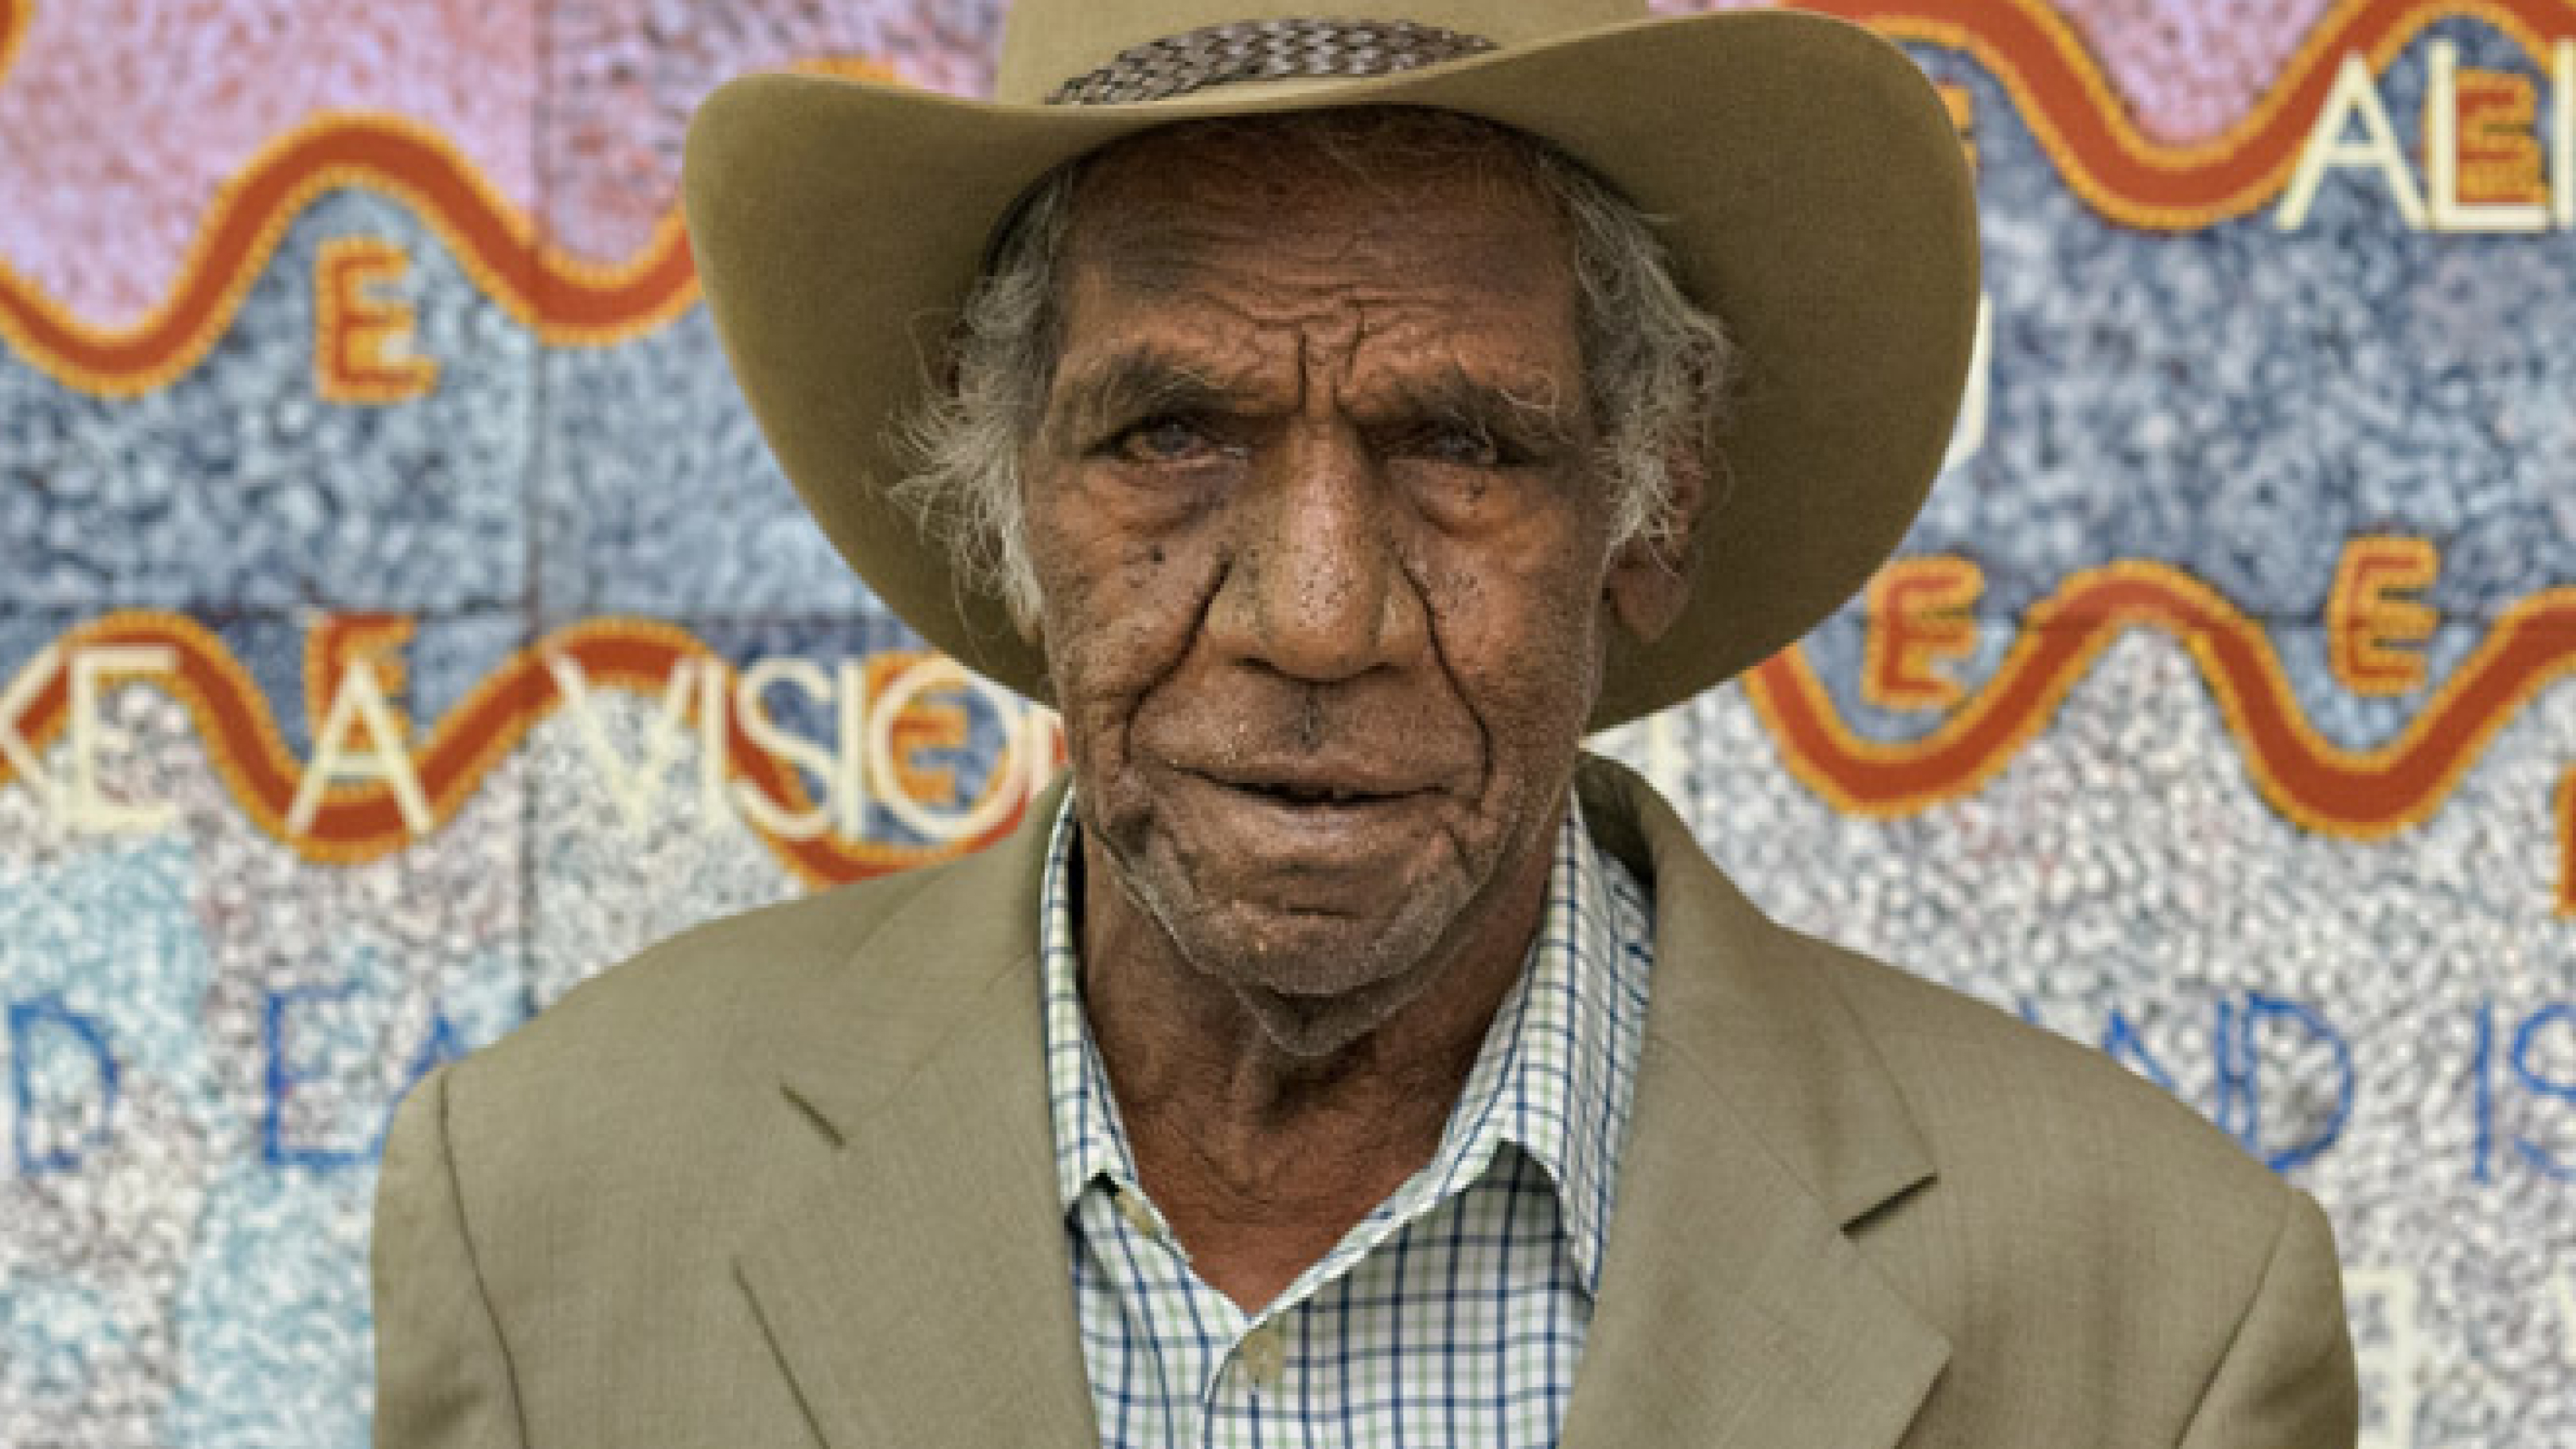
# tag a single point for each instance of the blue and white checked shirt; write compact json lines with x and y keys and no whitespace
{"x":1454,"y":1313}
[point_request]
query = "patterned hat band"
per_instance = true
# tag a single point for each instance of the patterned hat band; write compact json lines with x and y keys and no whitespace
{"x":1261,"y":50}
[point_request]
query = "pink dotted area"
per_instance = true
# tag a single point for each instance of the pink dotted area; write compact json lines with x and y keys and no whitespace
{"x":2186,"y":69}
{"x":119,"y":119}
{"x":2189,"y":71}
{"x":627,"y":73}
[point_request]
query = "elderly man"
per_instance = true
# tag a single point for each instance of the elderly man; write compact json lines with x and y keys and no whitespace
{"x":1347,"y":415}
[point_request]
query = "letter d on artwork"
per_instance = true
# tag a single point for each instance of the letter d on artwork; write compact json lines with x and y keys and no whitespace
{"x":59,"y":1065}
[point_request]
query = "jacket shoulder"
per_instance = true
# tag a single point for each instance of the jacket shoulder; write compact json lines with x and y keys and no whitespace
{"x":2085,"y":1238}
{"x":2106,"y":1266}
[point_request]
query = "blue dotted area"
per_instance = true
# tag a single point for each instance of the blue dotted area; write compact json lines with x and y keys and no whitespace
{"x":278,"y":1297}
{"x":276,"y":1292}
{"x":660,"y":498}
{"x":237,"y":488}
{"x":111,"y":1090}
{"x":104,"y":951}
{"x":2241,"y":400}
{"x":62,"y":1337}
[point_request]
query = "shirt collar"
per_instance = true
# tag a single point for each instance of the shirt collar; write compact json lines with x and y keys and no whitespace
{"x":1553,"y":1078}
{"x":1090,"y":1141}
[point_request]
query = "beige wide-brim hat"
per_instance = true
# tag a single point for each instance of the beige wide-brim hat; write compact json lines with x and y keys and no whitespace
{"x":1803,"y":173}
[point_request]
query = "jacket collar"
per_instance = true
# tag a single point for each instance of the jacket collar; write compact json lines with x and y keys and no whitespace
{"x":1753,"y":1015}
{"x":916,"y":1285}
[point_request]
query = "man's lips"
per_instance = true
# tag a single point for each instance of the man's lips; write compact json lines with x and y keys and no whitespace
{"x":1334,"y":841}
{"x":1314,"y":787}
{"x":1309,"y":785}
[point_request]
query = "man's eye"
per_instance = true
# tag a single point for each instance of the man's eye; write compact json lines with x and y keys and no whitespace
{"x":1462,"y":446}
{"x":1164,"y":440}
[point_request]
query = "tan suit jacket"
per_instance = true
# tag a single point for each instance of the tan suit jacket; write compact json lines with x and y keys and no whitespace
{"x":786,"y":1181}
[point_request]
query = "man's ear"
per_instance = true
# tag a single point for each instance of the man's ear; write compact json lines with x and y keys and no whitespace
{"x":1649,"y":578}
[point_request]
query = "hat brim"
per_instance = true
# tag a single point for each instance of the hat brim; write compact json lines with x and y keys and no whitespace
{"x":1803,"y":173}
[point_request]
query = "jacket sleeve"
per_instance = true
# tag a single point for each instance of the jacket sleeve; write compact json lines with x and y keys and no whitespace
{"x":2286,"y":1380}
{"x":443,"y":1376}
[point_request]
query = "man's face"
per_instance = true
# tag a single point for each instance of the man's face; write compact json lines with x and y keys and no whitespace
{"x":1322,"y":551}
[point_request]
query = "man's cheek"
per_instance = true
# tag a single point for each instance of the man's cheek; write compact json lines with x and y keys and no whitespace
{"x":1534,"y":642}
{"x":1083,"y":597}
{"x":1107,"y":656}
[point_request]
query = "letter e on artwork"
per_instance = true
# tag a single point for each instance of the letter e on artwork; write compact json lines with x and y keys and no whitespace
{"x":362,"y":337}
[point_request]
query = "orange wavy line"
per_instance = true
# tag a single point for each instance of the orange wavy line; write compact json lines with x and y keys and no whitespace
{"x":358,"y":823}
{"x":2068,"y":102}
{"x":2053,"y":78}
{"x":2567,"y":844}
{"x":565,"y":300}
{"x":2356,"y":794}
{"x":14,"y":15}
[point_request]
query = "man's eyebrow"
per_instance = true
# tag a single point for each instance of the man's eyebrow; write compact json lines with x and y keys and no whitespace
{"x":1139,"y":382}
{"x":1531,"y":416}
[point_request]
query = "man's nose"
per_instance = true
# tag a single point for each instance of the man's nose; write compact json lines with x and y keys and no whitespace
{"x":1317,"y":588}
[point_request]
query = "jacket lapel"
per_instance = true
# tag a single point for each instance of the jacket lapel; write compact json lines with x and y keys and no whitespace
{"x":1734,"y":1310}
{"x":915,"y":1286}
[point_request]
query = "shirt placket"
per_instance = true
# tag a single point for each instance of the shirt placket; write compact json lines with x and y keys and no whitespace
{"x":1246,"y":1399}
{"x":1190,"y":1354}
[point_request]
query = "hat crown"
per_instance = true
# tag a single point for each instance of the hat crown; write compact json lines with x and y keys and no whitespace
{"x":1047,"y":42}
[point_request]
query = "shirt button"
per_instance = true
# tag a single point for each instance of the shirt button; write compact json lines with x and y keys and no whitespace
{"x":1132,"y":1207}
{"x":1264,"y":1354}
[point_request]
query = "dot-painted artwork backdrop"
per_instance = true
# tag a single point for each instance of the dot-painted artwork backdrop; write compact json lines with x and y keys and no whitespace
{"x":400,"y":620}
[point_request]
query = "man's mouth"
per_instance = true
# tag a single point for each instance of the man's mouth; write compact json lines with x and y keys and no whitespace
{"x":1322,"y":838}
{"x":1314,"y":794}
{"x":1305,"y":790}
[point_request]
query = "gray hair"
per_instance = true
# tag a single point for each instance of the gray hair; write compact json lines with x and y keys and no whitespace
{"x":1657,"y":367}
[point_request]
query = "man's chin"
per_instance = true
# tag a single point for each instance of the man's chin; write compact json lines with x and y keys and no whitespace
{"x":1316,"y":980}
{"x":1301,"y":954}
